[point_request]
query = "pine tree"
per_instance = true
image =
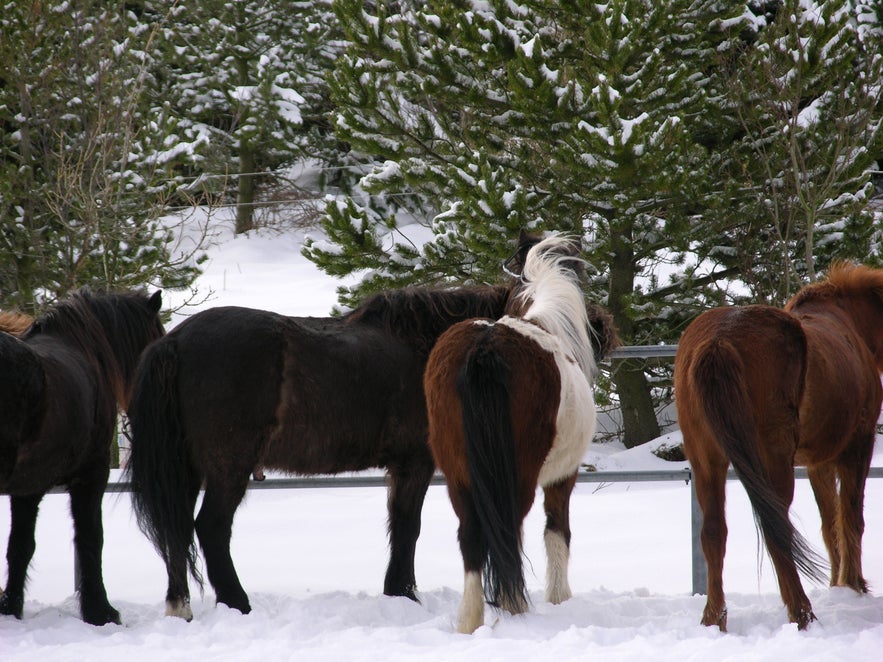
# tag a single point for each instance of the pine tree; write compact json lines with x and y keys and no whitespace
{"x":806,"y":99}
{"x":488,"y":118}
{"x":81,"y":187}
{"x":247,"y":80}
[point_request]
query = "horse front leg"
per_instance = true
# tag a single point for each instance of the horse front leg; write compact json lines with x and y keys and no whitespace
{"x":853,"y":471}
{"x":86,"y":497}
{"x":823,"y":480}
{"x":407,"y":490}
{"x":19,"y":552}
{"x":557,"y":539}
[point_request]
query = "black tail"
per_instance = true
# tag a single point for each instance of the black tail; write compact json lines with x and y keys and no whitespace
{"x":483,"y":387}
{"x":164,"y":480}
{"x":717,"y":374}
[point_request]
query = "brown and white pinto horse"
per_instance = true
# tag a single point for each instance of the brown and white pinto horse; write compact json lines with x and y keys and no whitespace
{"x":510,"y":406}
{"x":766,"y":389}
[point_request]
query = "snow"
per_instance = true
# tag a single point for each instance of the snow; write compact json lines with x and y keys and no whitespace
{"x":312,"y":560}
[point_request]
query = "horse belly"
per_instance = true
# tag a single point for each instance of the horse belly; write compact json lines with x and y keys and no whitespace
{"x":575,"y":425}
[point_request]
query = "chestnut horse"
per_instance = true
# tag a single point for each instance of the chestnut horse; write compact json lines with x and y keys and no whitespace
{"x":510,"y":406}
{"x":64,"y":376}
{"x":766,"y":389}
{"x":232,"y":389}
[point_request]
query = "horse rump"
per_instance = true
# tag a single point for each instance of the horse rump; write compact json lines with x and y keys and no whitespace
{"x":718,"y":374}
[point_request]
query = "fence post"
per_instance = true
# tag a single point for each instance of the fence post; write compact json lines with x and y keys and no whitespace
{"x":700,"y":570}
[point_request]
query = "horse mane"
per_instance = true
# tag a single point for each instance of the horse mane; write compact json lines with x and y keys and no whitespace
{"x":551,"y":292}
{"x":423,"y":313}
{"x":87,"y":319}
{"x":844,"y":279}
{"x":14,"y":322}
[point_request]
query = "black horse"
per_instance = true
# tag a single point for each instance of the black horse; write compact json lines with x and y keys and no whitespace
{"x":235,"y":389}
{"x":63,"y":379}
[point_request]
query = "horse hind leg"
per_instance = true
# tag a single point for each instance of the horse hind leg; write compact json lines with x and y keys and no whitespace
{"x":791,"y":588}
{"x":557,"y":539}
{"x":214,"y":527}
{"x":710,"y":485}
{"x":473,"y":548}
{"x":19,"y":552}
{"x":407,"y":491}
{"x":86,"y":497}
{"x":177,"y":559}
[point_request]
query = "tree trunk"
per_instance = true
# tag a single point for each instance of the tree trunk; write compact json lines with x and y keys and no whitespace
{"x":245,"y":192}
{"x":638,"y":416}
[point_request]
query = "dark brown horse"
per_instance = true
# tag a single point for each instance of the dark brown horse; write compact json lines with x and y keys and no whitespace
{"x":766,"y":389}
{"x":510,"y":406}
{"x":231,"y":389}
{"x":63,"y":378}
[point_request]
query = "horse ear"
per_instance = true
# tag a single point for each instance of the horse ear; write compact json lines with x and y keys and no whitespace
{"x":577,"y":243}
{"x":155,"y":301}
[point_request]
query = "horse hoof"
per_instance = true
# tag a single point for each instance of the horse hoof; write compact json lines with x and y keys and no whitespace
{"x":720,"y":620}
{"x":243,"y":607}
{"x":104,"y":616}
{"x":409,"y":591}
{"x":804,"y":618}
{"x":10,"y":606}
{"x":179,"y":609}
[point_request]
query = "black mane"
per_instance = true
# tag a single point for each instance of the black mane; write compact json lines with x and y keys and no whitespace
{"x":109,"y":328}
{"x":423,"y":313}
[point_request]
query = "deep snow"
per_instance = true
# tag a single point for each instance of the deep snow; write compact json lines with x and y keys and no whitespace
{"x":312,"y":561}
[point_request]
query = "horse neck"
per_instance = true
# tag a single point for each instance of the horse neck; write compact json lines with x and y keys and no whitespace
{"x":555,"y":303}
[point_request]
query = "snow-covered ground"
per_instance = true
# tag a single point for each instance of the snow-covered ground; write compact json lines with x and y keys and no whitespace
{"x":313,"y":560}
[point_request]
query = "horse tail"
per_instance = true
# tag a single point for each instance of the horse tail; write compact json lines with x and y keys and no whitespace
{"x":718,"y":373}
{"x":483,"y":388}
{"x":165,"y":481}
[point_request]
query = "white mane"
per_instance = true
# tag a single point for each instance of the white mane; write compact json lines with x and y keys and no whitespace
{"x":555,"y":299}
